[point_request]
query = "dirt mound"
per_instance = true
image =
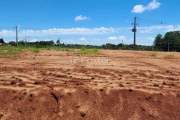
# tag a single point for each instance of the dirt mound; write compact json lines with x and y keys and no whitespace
{"x":130,"y":86}
{"x":84,"y":103}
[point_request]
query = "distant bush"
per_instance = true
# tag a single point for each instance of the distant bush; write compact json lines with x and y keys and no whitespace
{"x":84,"y":50}
{"x":169,"y":56}
{"x":153,"y":54}
{"x":33,"y":49}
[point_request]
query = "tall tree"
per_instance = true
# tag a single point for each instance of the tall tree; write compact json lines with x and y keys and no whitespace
{"x":171,"y":41}
{"x":1,"y":40}
{"x":58,"y":42}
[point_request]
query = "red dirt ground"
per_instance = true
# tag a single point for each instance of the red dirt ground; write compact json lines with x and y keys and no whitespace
{"x":117,"y":85}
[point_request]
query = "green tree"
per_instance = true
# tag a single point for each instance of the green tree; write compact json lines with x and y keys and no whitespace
{"x":170,"y":40}
{"x":58,"y":42}
{"x":12,"y":43}
{"x":21,"y":43}
{"x":1,"y":40}
{"x":158,"y":42}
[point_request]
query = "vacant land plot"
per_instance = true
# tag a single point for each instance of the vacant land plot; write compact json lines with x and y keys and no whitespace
{"x":111,"y":85}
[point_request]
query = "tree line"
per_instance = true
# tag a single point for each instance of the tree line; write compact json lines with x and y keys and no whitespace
{"x":169,"y":42}
{"x":41,"y":44}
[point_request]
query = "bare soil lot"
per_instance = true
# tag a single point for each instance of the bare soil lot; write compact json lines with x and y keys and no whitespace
{"x":116,"y":85}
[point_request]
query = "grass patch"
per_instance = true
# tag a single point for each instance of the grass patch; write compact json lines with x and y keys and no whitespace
{"x":170,"y":56}
{"x":56,"y":48}
{"x":153,"y":54}
{"x":84,"y":50}
{"x":13,"y":52}
{"x":60,"y":49}
{"x":33,"y":49}
{"x":10,"y":51}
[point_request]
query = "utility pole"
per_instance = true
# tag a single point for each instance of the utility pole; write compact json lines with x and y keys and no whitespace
{"x":38,"y":42}
{"x":59,"y":40}
{"x":17,"y":27}
{"x":25,"y":41}
{"x":134,"y":30}
{"x":168,"y":45}
{"x":28,"y":39}
{"x":122,"y":44}
{"x":17,"y":36}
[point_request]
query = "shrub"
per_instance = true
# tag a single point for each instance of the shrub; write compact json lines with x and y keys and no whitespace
{"x":83,"y":50}
{"x":169,"y":56}
{"x":153,"y":54}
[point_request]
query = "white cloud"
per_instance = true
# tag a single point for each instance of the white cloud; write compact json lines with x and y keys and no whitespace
{"x":138,"y":9}
{"x":80,"y":17}
{"x":150,"y":38}
{"x":122,"y":37}
{"x":116,"y":38}
{"x":9,"y":33}
{"x":60,"y":31}
{"x":154,"y":29}
{"x":82,"y":39}
{"x":112,"y":38}
{"x":151,"y":6}
{"x":89,"y":31}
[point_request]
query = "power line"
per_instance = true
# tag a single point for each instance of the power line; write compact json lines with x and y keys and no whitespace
{"x":152,"y":21}
{"x":6,"y":27}
{"x":31,"y":28}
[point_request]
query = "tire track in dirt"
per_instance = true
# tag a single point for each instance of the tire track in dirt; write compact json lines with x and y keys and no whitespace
{"x":55,"y":89}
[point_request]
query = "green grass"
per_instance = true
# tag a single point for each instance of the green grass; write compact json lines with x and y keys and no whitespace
{"x":169,"y":56}
{"x":13,"y":52}
{"x":153,"y":54}
{"x":84,"y":50}
{"x":56,"y":48}
{"x":9,"y":51}
{"x":33,"y":49}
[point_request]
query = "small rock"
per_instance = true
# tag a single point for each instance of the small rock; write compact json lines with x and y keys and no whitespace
{"x":156,"y":85}
{"x":178,"y":95}
{"x":92,"y":78}
{"x":101,"y":90}
{"x":164,"y":83}
{"x":86,"y":91}
{"x":130,"y":90}
{"x":12,"y":77}
{"x":13,"y":83}
{"x":36,"y":82}
{"x":19,"y":111}
{"x":21,"y":84}
{"x":171,"y":78}
{"x":31,"y":95}
{"x":143,"y":109}
{"x":1,"y":115}
{"x":83,"y":114}
{"x":77,"y":106}
{"x":121,"y":85}
{"x":148,"y":98}
{"x":119,"y":78}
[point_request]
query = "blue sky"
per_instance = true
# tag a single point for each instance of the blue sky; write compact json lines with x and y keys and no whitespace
{"x":88,"y":21}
